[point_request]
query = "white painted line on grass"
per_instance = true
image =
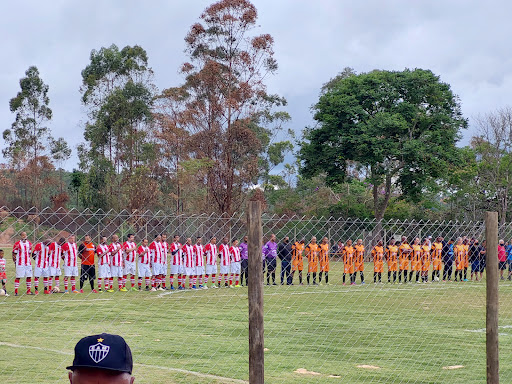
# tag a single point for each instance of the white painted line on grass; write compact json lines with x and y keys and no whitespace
{"x":198,"y":374}
{"x":52,"y":301}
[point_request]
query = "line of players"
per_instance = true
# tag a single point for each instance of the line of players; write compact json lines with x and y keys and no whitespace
{"x":118,"y":260}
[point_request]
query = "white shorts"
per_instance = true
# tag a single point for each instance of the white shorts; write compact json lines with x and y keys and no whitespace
{"x":104,"y":271}
{"x":70,"y":271}
{"x":144,"y":270}
{"x":55,"y":271}
{"x":211,"y":269}
{"x":129,"y":268}
{"x":235,"y":267}
{"x":190,"y":271}
{"x":23,"y":271}
{"x":116,"y":271}
{"x":200,"y":271}
{"x":164,"y":269}
{"x":177,"y":269}
{"x":158,"y":269}
{"x":224,"y":269}
{"x":41,"y":272}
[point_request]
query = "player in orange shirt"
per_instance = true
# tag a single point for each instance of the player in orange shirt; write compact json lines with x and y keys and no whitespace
{"x":324,"y":260}
{"x":415,"y":260}
{"x":297,"y":259}
{"x":425,"y":260}
{"x":312,"y":250}
{"x":458,"y":253}
{"x":359,"y":260}
{"x":404,"y":253}
{"x":348,"y":262}
{"x":392,"y":259}
{"x":437,"y":248}
{"x":378,"y":261}
{"x":465,"y":243}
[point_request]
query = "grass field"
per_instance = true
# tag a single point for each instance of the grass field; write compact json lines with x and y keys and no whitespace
{"x":409,"y":331}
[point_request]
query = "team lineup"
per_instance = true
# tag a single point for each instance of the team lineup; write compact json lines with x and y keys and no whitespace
{"x":149,"y":266}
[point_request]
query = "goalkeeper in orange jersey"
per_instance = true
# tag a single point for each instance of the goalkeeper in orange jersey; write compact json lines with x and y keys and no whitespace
{"x":359,"y":260}
{"x":324,"y":260}
{"x":378,"y":262}
{"x":392,"y":259}
{"x":416,"y":260}
{"x":312,"y":251}
{"x":404,"y":252}
{"x":348,"y":262}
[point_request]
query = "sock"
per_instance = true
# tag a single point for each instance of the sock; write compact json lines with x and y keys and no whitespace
{"x":45,"y":283}
{"x":29,"y":284}
{"x":389,"y":276}
{"x":320,"y":277}
{"x":237,"y":279}
{"x":139,"y":283}
{"x":66,"y":284}
{"x":300,"y":278}
{"x":36,"y":283}
{"x":201,"y":280}
{"x":124,"y":280}
{"x":171,"y":280}
{"x":231,"y":279}
{"x":148,"y":281}
{"x":344,"y":278}
{"x":326,"y":277}
{"x":73,"y":284}
{"x":57,"y":281}
{"x":162,"y":279}
{"x":16,"y":286}
{"x":307,"y":278}
{"x":111,"y":283}
{"x":91,"y":281}
{"x":218,"y":278}
{"x":99,"y":284}
{"x":374,"y":277}
{"x":362,"y":276}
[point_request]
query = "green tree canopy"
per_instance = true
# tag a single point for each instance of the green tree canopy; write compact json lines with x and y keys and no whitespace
{"x":399,"y":127}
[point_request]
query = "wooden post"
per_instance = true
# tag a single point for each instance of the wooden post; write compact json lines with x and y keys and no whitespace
{"x":255,"y":272}
{"x":491,"y":238}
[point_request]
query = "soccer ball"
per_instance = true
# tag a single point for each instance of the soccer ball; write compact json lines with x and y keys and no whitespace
{"x":2,"y":292}
{"x":56,"y":290}
{"x":436,"y":278}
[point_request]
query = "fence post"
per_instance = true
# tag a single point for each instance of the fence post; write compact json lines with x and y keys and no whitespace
{"x":491,"y":238}
{"x":255,"y":294}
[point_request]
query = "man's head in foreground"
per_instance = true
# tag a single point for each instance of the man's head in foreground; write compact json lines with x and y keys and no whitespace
{"x":102,"y":359}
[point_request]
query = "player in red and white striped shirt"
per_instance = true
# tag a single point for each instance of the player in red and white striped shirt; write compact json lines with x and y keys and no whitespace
{"x":225,"y":261}
{"x":176,"y":263}
{"x":3,"y":273}
{"x":40,"y":255}
{"x":165,"y":252}
{"x":235,"y":266}
{"x":117,"y":262}
{"x":210,"y":251}
{"x":144,"y":268}
{"x":54,"y":257}
{"x":103,"y":252}
{"x":21,"y":252}
{"x":189,"y":262}
{"x":198,"y":253}
{"x":70,"y":257}
{"x":156,"y":262}
{"x":130,"y":255}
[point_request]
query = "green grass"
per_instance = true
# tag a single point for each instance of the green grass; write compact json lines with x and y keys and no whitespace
{"x":410,"y":331}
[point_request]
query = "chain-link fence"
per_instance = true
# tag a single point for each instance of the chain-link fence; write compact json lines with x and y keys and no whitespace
{"x":427,"y":331}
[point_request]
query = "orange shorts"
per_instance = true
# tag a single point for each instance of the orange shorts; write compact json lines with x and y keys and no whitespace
{"x":378,"y":267}
{"x":359,"y":267}
{"x":298,"y":264}
{"x":404,"y":265}
{"x":415,"y":266}
{"x":437,"y":265}
{"x":393,"y":266}
{"x":324,"y":267}
{"x":425,"y":266}
{"x":312,"y":267}
{"x":348,"y":268}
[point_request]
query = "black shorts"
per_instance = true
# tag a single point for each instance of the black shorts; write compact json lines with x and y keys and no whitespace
{"x":271,"y":265}
{"x":503,"y":265}
{"x":88,"y":272}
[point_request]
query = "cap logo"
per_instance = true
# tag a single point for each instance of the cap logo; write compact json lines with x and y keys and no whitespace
{"x":98,"y":352}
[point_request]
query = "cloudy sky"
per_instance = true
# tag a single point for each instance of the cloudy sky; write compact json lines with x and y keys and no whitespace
{"x":466,"y":42}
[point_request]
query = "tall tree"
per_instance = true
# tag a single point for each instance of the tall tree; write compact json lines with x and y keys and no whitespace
{"x":29,"y":138}
{"x":401,"y":127}
{"x":224,"y":105}
{"x":117,"y":88}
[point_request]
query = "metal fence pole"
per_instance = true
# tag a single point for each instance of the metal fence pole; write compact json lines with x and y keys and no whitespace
{"x":255,"y":294}
{"x":492,"y":301}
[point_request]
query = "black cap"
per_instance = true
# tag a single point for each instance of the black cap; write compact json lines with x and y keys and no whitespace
{"x":103,"y":351}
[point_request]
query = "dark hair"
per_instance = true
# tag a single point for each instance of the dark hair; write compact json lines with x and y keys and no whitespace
{"x":130,"y":235}
{"x":62,"y":240}
{"x":198,"y":237}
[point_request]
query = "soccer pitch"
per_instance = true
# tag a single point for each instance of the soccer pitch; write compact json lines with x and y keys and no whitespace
{"x":410,"y":332}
